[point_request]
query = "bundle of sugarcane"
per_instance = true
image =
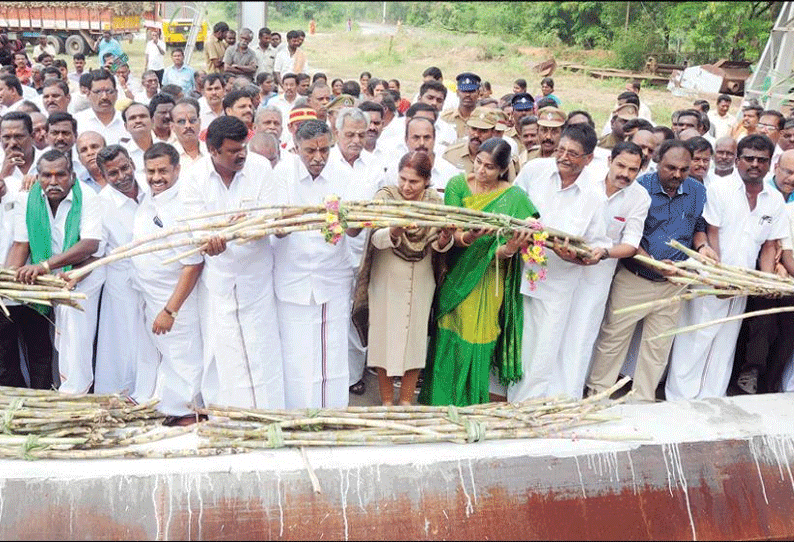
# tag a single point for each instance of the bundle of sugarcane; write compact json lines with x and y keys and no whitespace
{"x":49,"y":424}
{"x":47,"y":290}
{"x":701,"y":276}
{"x":237,"y":428}
{"x":331,"y":218}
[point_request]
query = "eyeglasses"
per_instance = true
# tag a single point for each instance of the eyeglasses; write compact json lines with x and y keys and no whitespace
{"x":756,"y":159}
{"x":770,"y":127}
{"x":571,"y":154}
{"x":182,"y":122}
{"x":105,"y":91}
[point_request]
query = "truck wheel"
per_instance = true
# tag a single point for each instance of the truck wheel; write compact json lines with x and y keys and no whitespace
{"x":75,"y":44}
{"x":56,"y":42}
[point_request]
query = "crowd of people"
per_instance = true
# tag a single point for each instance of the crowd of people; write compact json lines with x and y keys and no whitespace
{"x":95,"y":159}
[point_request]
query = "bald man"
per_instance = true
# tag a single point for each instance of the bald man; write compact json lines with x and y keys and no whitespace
{"x":724,"y":156}
{"x":265,"y":144}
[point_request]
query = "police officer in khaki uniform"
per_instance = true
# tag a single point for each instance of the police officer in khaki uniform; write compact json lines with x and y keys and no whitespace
{"x":550,"y":121}
{"x":523,"y":105}
{"x":468,"y":92}
{"x":484,"y":123}
{"x":621,"y":114}
{"x":334,"y":107}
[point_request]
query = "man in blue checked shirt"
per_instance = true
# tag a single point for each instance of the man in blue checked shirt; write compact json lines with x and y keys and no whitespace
{"x":676,"y":212}
{"x":179,"y":73}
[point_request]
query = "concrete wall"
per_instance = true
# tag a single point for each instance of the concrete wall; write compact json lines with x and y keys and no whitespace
{"x":702,"y":469}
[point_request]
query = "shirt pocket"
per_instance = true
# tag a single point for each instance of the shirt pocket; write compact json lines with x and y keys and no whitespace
{"x":615,"y":227}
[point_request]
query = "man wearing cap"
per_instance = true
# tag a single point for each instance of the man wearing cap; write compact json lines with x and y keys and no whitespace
{"x":297,"y":116}
{"x":620,"y":115}
{"x":468,"y":92}
{"x":334,"y":107}
{"x":481,"y":125}
{"x":523,"y":106}
{"x":550,"y":122}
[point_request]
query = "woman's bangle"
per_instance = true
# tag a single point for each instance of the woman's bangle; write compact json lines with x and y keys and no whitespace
{"x":463,"y":240}
{"x":701,"y":246}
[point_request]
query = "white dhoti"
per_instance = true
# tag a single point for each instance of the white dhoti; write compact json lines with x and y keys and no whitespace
{"x":120,"y":333}
{"x":581,"y":330}
{"x":541,"y":341}
{"x":702,"y":361}
{"x":788,"y":376}
{"x":74,"y":336}
{"x":178,"y":363}
{"x":315,"y":340}
{"x":247,"y":349}
{"x":209,"y":378}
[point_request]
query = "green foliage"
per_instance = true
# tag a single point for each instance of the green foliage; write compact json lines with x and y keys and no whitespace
{"x":633,"y":46}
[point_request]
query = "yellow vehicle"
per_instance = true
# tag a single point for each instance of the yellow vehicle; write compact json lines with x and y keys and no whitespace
{"x":176,"y":20}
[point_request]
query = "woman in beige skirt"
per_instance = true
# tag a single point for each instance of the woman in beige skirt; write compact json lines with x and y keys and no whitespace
{"x":396,"y":284}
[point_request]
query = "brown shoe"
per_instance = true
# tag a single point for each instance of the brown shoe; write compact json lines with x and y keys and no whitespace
{"x":182,"y":421}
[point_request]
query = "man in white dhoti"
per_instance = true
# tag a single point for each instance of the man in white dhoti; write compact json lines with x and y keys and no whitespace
{"x":59,"y":225}
{"x":121,"y":315}
{"x":314,"y":280}
{"x":568,"y":202}
{"x":243,"y":336}
{"x":624,"y":218}
{"x":349,"y":156}
{"x":744,"y":220}
{"x":171,"y":305}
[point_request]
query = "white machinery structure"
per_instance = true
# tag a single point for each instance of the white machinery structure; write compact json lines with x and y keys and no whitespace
{"x":772,"y":81}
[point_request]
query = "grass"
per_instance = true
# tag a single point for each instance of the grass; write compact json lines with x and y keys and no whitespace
{"x":344,"y":54}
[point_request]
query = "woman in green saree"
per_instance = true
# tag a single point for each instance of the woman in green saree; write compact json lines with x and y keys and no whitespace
{"x":478,"y":308}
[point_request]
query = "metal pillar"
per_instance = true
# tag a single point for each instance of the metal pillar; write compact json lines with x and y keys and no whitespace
{"x":772,"y":79}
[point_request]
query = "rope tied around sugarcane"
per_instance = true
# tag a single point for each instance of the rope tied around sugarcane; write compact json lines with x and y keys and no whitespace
{"x":8,"y":414}
{"x":275,"y":437}
{"x":475,"y":431}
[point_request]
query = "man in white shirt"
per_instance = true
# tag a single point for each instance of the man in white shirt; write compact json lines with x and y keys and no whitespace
{"x":624,"y":219}
{"x":138,"y":123}
{"x":248,"y":367}
{"x":102,"y":116}
{"x":11,"y":90}
{"x":724,"y":158}
{"x":150,"y":84}
{"x":420,"y":136}
{"x":170,"y":302}
{"x":360,"y":167}
{"x":433,"y":93}
{"x":567,"y":201}
{"x":211,"y":104}
{"x":723,"y":122}
{"x":43,"y":47}
{"x":266,"y":55}
{"x":186,"y":126}
{"x":314,"y":279}
{"x":291,"y":59}
{"x":744,"y":221}
{"x":286,"y":100}
{"x":74,"y":237}
{"x":154,"y":54}
{"x":121,"y":317}
{"x":24,"y":321}
{"x":88,"y":145}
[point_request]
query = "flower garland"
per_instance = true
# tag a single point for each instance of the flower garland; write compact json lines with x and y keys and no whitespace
{"x":335,"y":219}
{"x":535,"y":256}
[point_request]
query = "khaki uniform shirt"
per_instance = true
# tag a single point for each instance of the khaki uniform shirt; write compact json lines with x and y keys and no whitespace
{"x":214,"y":49}
{"x":608,"y":141}
{"x":458,"y":155}
{"x":453,"y":117}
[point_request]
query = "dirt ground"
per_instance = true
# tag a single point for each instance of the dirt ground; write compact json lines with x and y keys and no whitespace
{"x":404,"y":55}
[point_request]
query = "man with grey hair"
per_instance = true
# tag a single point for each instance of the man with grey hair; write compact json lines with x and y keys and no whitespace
{"x":360,"y":167}
{"x":314,"y":278}
{"x":241,"y":59}
{"x":267,"y":145}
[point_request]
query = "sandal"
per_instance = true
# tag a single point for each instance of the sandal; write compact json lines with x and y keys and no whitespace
{"x":359,"y":388}
{"x":748,"y":381}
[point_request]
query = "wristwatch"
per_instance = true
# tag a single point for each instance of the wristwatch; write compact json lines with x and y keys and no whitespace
{"x":605,"y":255}
{"x":172,"y":314}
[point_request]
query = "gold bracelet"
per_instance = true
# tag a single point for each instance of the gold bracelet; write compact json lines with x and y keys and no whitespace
{"x":46,"y":267}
